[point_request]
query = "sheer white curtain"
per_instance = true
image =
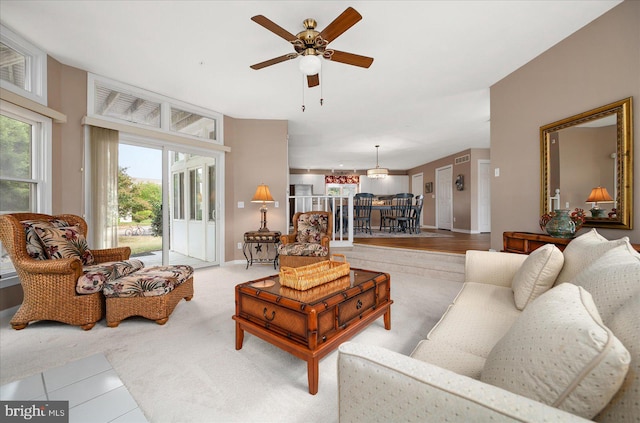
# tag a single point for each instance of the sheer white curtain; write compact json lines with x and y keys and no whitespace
{"x":104,"y":186}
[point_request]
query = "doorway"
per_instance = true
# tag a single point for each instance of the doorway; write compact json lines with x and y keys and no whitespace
{"x":179,"y":224}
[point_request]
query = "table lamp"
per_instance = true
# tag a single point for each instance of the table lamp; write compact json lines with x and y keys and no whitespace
{"x":599,"y":195}
{"x":263,"y":196}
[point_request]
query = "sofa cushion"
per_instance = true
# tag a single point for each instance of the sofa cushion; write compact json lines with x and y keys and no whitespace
{"x":584,"y":250}
{"x":470,"y":325}
{"x":625,"y":405}
{"x":612,"y":279}
{"x":35,"y":249}
{"x":311,"y":227}
{"x":303,"y":249}
{"x":148,"y":282}
{"x":96,"y":275}
{"x":537,"y":274}
{"x":65,"y":242}
{"x":560,"y":353}
{"x":450,"y":357}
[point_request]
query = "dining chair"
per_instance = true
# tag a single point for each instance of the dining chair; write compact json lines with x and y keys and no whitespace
{"x":416,"y":214}
{"x":362,"y":212}
{"x":386,"y":213}
{"x":400,"y":212}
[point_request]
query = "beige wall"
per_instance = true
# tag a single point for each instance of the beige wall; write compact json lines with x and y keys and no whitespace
{"x":67,"y":93}
{"x":595,"y":66}
{"x":465,"y":201}
{"x":258,"y":155}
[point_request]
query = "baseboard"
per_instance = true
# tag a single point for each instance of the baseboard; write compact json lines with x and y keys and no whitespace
{"x":8,"y":312}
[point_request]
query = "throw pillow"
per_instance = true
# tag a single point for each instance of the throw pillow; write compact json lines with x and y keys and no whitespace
{"x":537,"y":274}
{"x":64,"y":243}
{"x":559,"y":352}
{"x":35,"y":249}
{"x":582,"y":251}
{"x":624,"y":406}
{"x":612,"y":279}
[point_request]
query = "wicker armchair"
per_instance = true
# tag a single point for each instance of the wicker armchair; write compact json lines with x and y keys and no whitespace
{"x":49,"y":286}
{"x":298,"y":249}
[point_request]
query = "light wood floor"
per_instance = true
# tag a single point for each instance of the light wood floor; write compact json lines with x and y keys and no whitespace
{"x":459,"y":244}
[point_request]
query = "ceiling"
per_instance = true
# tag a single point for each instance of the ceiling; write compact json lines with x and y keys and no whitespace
{"x":425,"y":96}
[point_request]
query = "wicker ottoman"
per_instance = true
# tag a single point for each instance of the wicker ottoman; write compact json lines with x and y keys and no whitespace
{"x":151,"y":292}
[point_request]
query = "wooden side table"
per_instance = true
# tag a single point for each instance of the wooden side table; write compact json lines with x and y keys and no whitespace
{"x":526,"y":242}
{"x":258,"y":240}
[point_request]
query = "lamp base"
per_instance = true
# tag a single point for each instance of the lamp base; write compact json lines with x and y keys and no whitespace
{"x":263,"y":220}
{"x":598,"y":212}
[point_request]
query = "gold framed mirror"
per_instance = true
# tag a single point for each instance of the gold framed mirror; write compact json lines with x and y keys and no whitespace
{"x":587,"y":163}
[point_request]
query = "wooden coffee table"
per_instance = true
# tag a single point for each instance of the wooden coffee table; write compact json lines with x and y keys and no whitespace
{"x":311,"y":324}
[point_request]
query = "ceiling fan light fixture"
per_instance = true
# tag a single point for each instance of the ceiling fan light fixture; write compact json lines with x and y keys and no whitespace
{"x":378,"y":172}
{"x":310,"y":65}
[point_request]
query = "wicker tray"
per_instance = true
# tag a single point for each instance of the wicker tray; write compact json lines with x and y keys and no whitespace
{"x":307,"y":277}
{"x":320,"y":291}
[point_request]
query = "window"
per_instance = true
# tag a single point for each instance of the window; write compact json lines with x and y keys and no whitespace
{"x":124,"y":106}
{"x":212,"y":193}
{"x":195,"y":183}
{"x":342,"y":189}
{"x":193,"y":124}
{"x":25,"y":165}
{"x":124,"y":103}
{"x":23,"y":67}
{"x":178,"y":195}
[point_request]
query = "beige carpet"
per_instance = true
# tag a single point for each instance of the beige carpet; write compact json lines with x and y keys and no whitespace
{"x":189,"y":371}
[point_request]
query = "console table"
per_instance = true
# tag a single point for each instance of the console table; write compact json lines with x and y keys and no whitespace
{"x":526,"y":242}
{"x":258,"y":240}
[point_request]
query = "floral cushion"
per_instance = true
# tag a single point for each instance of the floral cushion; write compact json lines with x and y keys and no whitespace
{"x":96,"y":275}
{"x":35,"y":249}
{"x":311,"y":227}
{"x":303,"y":249}
{"x":148,"y":282}
{"x":65,"y":242}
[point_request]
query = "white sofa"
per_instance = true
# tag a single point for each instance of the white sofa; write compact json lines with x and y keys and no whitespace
{"x":516,"y":344}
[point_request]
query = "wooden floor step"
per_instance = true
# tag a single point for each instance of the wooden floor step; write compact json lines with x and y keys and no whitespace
{"x":439,"y":265}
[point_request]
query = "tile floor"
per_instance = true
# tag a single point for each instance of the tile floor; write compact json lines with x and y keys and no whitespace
{"x":94,"y":391}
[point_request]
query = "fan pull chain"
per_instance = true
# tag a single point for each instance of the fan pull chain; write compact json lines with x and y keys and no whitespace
{"x":303,"y":78}
{"x":321,"y":92}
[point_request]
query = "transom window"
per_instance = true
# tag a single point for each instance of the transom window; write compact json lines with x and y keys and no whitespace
{"x":23,"y":67}
{"x":125,"y":106}
{"x":120,"y":102}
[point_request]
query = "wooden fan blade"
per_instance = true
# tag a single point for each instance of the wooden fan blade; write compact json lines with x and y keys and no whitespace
{"x":351,"y":59}
{"x":273,"y":61}
{"x":313,"y":80}
{"x":346,"y":20}
{"x":274,"y":27}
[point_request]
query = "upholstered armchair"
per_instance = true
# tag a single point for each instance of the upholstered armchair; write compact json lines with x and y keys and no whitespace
{"x":309,"y":242}
{"x":49,"y":273}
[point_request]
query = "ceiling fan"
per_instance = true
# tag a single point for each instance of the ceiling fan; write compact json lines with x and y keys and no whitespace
{"x":311,"y":44}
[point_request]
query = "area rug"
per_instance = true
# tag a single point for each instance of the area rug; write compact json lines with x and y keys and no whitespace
{"x":189,"y":370}
{"x":375,"y":233}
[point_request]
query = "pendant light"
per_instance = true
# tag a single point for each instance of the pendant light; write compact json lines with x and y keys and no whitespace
{"x":378,"y":172}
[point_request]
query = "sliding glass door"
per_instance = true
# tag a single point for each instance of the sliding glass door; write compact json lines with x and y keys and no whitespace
{"x":186,"y":190}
